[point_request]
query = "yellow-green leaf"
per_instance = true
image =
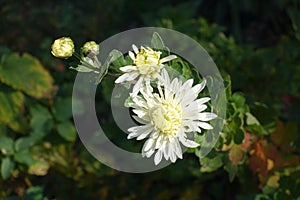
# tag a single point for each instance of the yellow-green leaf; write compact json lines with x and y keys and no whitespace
{"x":40,"y":168}
{"x":11,"y":104}
{"x":27,"y":74}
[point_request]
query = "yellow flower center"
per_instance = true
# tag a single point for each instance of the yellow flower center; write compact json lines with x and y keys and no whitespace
{"x":148,"y":62}
{"x":167,"y":117}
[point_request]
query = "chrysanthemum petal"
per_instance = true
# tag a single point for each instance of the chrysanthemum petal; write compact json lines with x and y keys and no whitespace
{"x":205,"y":125}
{"x":206,"y":116}
{"x":172,"y":155}
{"x":131,"y":55}
{"x":135,"y":49}
{"x":122,"y":78}
{"x":128,"y":68}
{"x":158,"y":157}
{"x":202,"y":100}
{"x":137,"y":87}
{"x":168,"y":58}
{"x":148,"y":144}
{"x":140,"y":130}
{"x":188,"y":143}
{"x":199,"y":87}
{"x":168,"y":114}
{"x":177,"y":148}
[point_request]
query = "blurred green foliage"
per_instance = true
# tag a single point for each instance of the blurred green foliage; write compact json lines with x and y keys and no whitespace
{"x":254,"y":44}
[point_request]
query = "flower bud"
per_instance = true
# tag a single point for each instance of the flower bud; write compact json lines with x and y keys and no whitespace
{"x":90,"y":48}
{"x":63,"y":47}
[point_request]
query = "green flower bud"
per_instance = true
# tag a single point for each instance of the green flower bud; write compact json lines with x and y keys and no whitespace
{"x":90,"y":48}
{"x":63,"y":47}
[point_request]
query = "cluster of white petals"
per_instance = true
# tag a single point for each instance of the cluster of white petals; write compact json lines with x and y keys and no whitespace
{"x":168,"y":115}
{"x":147,"y":65}
{"x":165,"y":116}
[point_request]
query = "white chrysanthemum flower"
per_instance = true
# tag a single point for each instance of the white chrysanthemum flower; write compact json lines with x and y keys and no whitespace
{"x":147,"y":66}
{"x":168,"y":115}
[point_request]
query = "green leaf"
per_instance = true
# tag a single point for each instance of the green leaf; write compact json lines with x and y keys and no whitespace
{"x":6,"y":145}
{"x":41,"y":121}
{"x":82,"y":68}
{"x":232,"y":170}
{"x":211,"y":164}
{"x":116,"y":57}
{"x":34,"y":193}
{"x":24,"y":143}
{"x":27,"y":74}
{"x":250,"y":119}
{"x":12,"y":106}
{"x":239,"y":136}
{"x":67,"y":131}
{"x":7,"y":166}
{"x":117,"y":60}
{"x":157,"y":43}
{"x":239,"y":100}
{"x":24,"y":158}
{"x":62,"y":109}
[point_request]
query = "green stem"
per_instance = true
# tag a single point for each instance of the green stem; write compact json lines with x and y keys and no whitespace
{"x":86,"y":64}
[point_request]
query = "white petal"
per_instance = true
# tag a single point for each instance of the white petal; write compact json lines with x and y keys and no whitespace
{"x":177,"y":148}
{"x":199,"y":87}
{"x":140,"y":120}
{"x":139,"y":113}
{"x":202,"y":100}
{"x":135,"y":49}
{"x":165,"y":79}
{"x":192,"y":110}
{"x":131,"y":55}
{"x":188,"y":143}
{"x":144,"y":135}
{"x":168,"y":58}
{"x":128,"y":68}
{"x":206,"y":116}
{"x":159,"y":142}
{"x":132,"y":76}
{"x":172,"y":155}
{"x":157,"y":157}
{"x":122,"y":78}
{"x":140,"y":130}
{"x":148,"y":153}
{"x":148,"y":144}
{"x":166,"y":151}
{"x":187,"y":85}
{"x":136,"y":87}
{"x":205,"y":125}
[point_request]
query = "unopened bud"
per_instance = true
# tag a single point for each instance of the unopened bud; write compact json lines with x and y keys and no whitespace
{"x":90,"y":48}
{"x":63,"y":47}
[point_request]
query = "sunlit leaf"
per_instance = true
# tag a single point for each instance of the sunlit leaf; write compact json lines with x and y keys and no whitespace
{"x":12,"y":106}
{"x":26,"y":73}
{"x":39,"y":168}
